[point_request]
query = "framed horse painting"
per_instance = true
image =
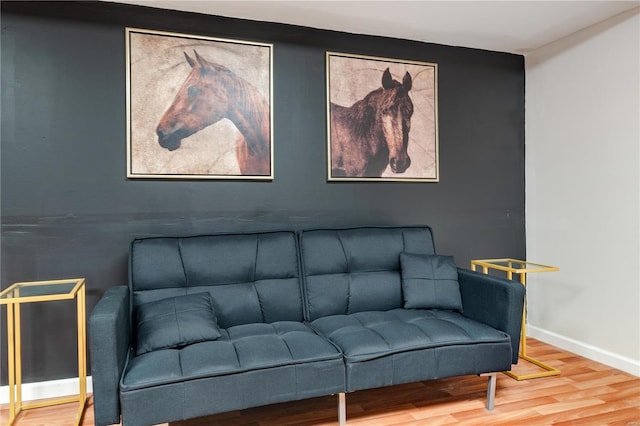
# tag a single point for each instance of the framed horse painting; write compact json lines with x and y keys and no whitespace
{"x":382,"y":118}
{"x":198,"y":107}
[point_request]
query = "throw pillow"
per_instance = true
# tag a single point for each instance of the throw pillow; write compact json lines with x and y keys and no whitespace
{"x":175,"y":322}
{"x":430,"y":282}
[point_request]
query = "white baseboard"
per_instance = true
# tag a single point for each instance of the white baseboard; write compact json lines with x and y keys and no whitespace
{"x":44,"y":390}
{"x":602,"y":356}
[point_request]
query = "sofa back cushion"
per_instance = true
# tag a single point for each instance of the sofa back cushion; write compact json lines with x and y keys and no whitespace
{"x":357,"y":269}
{"x":252,"y":278}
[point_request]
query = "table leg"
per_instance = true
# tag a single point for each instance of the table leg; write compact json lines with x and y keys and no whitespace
{"x":11,"y":355}
{"x":523,"y":334}
{"x":82,"y":351}
{"x":18,"y":359}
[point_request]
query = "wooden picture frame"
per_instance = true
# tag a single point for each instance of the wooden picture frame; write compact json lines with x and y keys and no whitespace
{"x":382,"y":119}
{"x":198,"y":107}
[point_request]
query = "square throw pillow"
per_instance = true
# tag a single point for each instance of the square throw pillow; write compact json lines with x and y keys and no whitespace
{"x":430,"y":282}
{"x":175,"y":322}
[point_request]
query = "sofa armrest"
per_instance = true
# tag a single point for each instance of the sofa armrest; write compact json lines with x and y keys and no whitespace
{"x":109,"y":332}
{"x":497,"y":302}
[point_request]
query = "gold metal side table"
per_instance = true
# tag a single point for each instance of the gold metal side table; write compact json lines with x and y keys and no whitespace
{"x":521,"y":267}
{"x":43,"y":291}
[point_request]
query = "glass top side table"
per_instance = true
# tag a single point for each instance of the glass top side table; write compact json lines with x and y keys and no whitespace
{"x":522,"y":268}
{"x":43,"y":291}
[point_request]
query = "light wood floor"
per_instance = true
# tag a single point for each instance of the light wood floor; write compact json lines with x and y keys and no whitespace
{"x":586,"y":393}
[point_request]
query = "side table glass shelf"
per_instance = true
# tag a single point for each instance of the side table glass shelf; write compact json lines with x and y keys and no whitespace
{"x":43,"y":291}
{"x":522,"y":268}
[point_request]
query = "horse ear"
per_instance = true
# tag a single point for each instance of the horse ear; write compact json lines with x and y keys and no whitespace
{"x":406,"y":81}
{"x":199,"y":58}
{"x":387,"y":80}
{"x":190,"y":61}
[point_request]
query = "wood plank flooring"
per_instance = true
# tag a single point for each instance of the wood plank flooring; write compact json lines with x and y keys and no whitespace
{"x":585,"y":393}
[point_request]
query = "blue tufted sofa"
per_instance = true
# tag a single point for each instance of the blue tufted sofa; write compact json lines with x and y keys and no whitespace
{"x":224,"y":322}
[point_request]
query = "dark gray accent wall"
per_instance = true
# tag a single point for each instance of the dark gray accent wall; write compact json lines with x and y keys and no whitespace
{"x":69,"y":211}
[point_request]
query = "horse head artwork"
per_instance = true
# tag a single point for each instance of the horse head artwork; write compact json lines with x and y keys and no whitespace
{"x":374,"y":132}
{"x":210,"y":93}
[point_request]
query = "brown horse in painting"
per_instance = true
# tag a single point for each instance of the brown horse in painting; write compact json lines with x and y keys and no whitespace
{"x":210,"y":93}
{"x":373,"y":132}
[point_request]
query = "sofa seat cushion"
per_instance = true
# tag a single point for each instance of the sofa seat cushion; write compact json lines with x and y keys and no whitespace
{"x":240,"y":348}
{"x":365,"y":336}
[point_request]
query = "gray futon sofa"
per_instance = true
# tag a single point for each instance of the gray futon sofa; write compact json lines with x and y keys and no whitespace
{"x":224,"y":322}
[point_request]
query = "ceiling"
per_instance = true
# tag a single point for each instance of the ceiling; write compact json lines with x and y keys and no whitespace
{"x":504,"y":26}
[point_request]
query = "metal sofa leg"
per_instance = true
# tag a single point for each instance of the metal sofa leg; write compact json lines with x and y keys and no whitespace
{"x":491,"y":389}
{"x":342,"y":409}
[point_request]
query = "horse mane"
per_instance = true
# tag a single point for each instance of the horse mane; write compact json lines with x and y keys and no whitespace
{"x":248,"y":100}
{"x":360,"y":117}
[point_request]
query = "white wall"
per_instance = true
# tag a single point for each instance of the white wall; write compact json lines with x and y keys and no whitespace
{"x":583,"y":191}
